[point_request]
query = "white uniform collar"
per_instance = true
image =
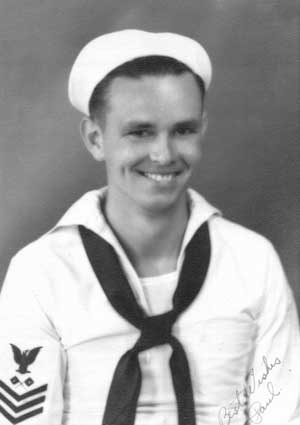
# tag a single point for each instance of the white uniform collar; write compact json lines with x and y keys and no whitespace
{"x":86,"y":211}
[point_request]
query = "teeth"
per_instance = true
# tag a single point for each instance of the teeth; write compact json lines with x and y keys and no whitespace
{"x":160,"y":177}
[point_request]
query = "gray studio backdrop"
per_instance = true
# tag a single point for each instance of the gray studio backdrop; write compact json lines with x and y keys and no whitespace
{"x":250,"y":164}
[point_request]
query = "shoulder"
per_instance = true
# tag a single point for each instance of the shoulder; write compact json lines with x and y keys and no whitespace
{"x":42,"y":273}
{"x":60,"y":241}
{"x":250,"y":259}
{"x":239,"y":237}
{"x":223,"y":231}
{"x":47,"y":250}
{"x":251,"y":255}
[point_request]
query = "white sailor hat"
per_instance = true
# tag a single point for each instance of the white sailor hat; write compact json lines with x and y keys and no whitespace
{"x":105,"y":53}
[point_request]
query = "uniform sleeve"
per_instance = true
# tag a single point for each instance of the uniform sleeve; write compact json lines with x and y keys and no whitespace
{"x":274,"y":379}
{"x":32,"y":360}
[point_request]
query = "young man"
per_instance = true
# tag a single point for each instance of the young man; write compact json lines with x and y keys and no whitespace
{"x":144,"y":305}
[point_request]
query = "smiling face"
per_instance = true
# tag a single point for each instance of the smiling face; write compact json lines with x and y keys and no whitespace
{"x":150,"y":141}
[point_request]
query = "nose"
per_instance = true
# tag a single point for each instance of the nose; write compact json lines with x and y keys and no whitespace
{"x":162,"y":150}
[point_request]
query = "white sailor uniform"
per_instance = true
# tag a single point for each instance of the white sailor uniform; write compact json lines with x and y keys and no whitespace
{"x":60,"y":339}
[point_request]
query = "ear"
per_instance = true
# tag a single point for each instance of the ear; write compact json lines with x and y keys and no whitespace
{"x":92,"y":135}
{"x":204,"y":123}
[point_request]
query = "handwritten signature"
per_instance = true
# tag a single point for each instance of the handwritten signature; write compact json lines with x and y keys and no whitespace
{"x":257,"y":409}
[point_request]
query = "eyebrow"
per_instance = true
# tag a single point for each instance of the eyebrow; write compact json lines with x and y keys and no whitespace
{"x":138,"y":124}
{"x":192,"y":123}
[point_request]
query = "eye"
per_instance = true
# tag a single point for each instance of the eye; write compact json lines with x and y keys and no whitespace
{"x":140,"y":133}
{"x":185,"y":131}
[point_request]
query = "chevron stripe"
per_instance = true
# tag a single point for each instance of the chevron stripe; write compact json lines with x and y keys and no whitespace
{"x":21,"y":397}
{"x":18,"y":409}
{"x":17,"y":420}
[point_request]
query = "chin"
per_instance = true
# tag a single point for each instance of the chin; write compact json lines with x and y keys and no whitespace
{"x":162,"y":203}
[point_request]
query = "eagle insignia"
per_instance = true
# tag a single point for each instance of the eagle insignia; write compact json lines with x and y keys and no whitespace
{"x":24,"y":358}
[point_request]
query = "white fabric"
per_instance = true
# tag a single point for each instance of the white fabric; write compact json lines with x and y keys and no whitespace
{"x":159,"y":291}
{"x":105,"y":53}
{"x":241,"y":328}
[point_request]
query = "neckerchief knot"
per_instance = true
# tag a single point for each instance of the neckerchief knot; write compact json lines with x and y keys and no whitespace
{"x":155,"y":330}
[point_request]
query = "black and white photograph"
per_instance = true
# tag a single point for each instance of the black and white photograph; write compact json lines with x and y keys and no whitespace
{"x":150,"y":212}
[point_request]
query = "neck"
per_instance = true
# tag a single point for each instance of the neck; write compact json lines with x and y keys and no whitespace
{"x":151,"y":239}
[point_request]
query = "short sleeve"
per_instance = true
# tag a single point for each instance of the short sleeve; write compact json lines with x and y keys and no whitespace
{"x":32,"y":360}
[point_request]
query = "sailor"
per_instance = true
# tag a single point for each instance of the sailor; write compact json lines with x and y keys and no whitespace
{"x":144,"y":305}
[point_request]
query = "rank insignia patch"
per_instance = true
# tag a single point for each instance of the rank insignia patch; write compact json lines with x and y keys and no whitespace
{"x":22,"y":397}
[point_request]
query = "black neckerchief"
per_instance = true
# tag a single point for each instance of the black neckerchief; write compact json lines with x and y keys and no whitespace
{"x":155,"y":330}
